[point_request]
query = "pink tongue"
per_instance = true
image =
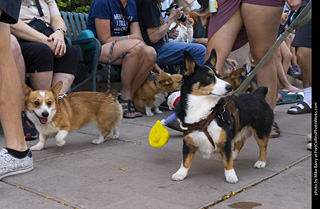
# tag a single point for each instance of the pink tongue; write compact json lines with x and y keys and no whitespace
{"x":43,"y":120}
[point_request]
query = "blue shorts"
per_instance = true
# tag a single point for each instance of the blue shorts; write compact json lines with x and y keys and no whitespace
{"x":171,"y":53}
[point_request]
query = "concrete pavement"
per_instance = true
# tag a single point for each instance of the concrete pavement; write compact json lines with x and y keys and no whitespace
{"x":129,"y":173}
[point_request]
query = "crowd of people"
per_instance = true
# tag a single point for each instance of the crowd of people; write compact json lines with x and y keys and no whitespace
{"x":153,"y":33}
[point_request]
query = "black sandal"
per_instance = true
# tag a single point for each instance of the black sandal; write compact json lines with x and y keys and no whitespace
{"x":275,"y":131}
{"x":126,"y":108}
{"x":135,"y":111}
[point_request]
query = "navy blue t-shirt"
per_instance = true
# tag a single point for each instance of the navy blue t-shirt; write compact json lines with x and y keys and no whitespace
{"x":110,"y":10}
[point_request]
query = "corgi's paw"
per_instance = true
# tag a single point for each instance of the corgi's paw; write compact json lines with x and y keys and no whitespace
{"x":149,"y":112}
{"x":180,"y":174}
{"x":37,"y":147}
{"x":158,"y":111}
{"x":231,"y":176}
{"x":115,"y":133}
{"x":98,"y":141}
{"x":260,"y":164}
{"x":60,"y":142}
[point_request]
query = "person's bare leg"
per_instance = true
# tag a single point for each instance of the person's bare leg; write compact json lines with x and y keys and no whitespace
{"x":222,"y":41}
{"x":282,"y":63}
{"x":286,"y":56}
{"x":10,"y":94}
{"x":304,"y":55}
{"x":18,"y":59}
{"x":129,"y":63}
{"x":42,"y":80}
{"x":66,"y":78}
{"x":262,"y":24}
{"x":147,"y":64}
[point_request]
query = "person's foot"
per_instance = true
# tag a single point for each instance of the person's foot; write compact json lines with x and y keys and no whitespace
{"x":30,"y":133}
{"x":309,"y":146}
{"x":275,"y":131}
{"x":10,"y":165}
{"x":292,"y":89}
{"x":309,"y":139}
{"x":300,"y":108}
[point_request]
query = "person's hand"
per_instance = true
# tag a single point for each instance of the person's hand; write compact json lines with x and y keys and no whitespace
{"x":174,"y":33}
{"x":284,"y":18}
{"x":232,"y":63}
{"x":58,"y":46}
{"x":157,"y":69}
{"x":294,"y":4}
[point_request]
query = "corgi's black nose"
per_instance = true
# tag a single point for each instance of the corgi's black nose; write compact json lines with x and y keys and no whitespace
{"x":45,"y":114}
{"x":228,"y":87}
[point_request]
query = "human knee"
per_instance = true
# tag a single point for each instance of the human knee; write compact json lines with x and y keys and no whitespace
{"x":198,"y":51}
{"x":303,"y":53}
{"x":15,"y":47}
{"x":43,"y":52}
{"x":150,"y":54}
{"x":137,"y":49}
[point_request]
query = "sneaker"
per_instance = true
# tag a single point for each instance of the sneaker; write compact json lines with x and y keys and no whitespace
{"x":309,"y":146}
{"x":309,"y":137}
{"x":10,"y":165}
{"x":175,"y":125}
{"x":30,"y":133}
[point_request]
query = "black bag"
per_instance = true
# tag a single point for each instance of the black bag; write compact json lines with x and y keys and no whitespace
{"x":39,"y":24}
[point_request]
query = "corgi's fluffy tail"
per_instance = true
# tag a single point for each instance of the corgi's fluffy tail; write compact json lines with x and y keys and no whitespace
{"x":261,"y":91}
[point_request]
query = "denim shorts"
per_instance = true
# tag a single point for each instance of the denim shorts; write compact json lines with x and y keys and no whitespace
{"x":171,"y":53}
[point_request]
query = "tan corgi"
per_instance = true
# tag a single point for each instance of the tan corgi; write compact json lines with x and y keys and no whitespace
{"x":154,"y":90}
{"x":55,"y":115}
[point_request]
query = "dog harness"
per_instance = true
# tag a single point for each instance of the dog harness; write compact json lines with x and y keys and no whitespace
{"x":203,"y":124}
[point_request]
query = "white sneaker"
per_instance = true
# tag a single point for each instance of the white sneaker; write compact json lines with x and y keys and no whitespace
{"x":309,"y":146}
{"x":10,"y":165}
{"x":309,"y":137}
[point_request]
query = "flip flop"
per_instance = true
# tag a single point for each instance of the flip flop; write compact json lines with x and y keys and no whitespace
{"x":300,"y":108}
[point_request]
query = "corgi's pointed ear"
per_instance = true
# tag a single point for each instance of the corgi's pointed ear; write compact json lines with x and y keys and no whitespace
{"x":236,"y":73}
{"x":212,"y":60}
{"x":188,"y":63}
{"x":25,"y":89}
{"x":57,"y":88}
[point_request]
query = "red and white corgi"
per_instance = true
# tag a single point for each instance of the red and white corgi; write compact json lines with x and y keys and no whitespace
{"x":213,"y":121}
{"x":55,"y":116}
{"x":154,"y":90}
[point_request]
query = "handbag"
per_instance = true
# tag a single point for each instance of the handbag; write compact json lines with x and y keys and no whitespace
{"x":39,"y":24}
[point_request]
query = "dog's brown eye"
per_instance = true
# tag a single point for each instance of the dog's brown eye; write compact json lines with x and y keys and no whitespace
{"x":49,"y":103}
{"x":36,"y":103}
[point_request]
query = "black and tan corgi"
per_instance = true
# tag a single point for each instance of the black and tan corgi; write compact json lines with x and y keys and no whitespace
{"x":214,"y":121}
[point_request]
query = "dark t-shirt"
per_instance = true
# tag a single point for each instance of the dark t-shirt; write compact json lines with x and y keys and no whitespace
{"x":10,"y":11}
{"x":110,"y":10}
{"x":149,"y":16}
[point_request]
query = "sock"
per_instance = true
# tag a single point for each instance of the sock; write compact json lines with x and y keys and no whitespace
{"x":17,"y":154}
{"x":307,"y":97}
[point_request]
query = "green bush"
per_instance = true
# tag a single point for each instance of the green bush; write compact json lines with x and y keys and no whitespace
{"x":74,"y":5}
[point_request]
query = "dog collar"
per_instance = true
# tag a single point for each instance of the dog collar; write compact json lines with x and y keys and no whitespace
{"x":62,"y":95}
{"x":153,"y":78}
